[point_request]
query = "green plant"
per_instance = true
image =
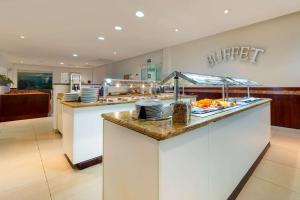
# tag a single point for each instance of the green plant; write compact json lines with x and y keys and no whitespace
{"x":5,"y":81}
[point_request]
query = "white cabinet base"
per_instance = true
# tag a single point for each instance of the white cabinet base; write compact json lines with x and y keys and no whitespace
{"x":82,"y":130}
{"x":205,"y":163}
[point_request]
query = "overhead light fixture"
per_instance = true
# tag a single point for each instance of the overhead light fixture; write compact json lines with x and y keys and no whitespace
{"x":62,"y":63}
{"x":22,"y":37}
{"x":176,"y":30}
{"x":100,"y":38}
{"x":115,"y":53}
{"x":226,"y":11}
{"x":75,"y":55}
{"x":139,"y":14}
{"x":118,"y":28}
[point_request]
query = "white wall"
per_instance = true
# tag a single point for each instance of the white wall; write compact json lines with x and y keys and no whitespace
{"x":3,"y":64}
{"x":278,"y":66}
{"x":14,"y":68}
{"x":102,"y":72}
{"x":133,"y":65}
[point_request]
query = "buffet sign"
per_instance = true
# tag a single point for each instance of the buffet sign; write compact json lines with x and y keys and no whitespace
{"x":245,"y":53}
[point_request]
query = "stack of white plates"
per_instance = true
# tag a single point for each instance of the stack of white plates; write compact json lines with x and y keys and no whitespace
{"x":71,"y":96}
{"x":149,"y":109}
{"x":89,"y":95}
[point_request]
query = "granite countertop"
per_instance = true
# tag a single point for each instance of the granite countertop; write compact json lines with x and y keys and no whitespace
{"x":60,"y":96}
{"x":164,"y":129}
{"x":80,"y":104}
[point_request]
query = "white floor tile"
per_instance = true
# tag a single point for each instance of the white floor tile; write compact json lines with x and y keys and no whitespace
{"x":31,"y":191}
{"x":285,"y":137}
{"x":78,"y":184}
{"x":257,"y":189}
{"x":21,"y":174}
{"x":283,"y":155}
{"x":279,"y":174}
{"x":32,"y":161}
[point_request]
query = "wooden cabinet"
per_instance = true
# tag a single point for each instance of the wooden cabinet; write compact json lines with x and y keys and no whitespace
{"x":24,"y":105}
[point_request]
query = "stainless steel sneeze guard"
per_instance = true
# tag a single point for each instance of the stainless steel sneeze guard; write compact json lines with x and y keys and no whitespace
{"x":187,"y":79}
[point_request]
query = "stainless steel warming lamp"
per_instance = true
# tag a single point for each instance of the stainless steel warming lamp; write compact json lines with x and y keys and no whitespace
{"x":184,"y":78}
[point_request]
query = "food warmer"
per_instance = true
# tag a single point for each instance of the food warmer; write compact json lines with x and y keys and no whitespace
{"x":208,"y":107}
{"x":183,"y":79}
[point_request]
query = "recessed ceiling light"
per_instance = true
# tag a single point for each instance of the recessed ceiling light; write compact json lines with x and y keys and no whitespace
{"x":139,"y":14}
{"x":226,"y":11}
{"x":100,"y":38}
{"x":62,"y":63}
{"x":22,"y":37}
{"x":75,"y":55}
{"x":115,"y":53}
{"x":176,"y":30}
{"x":118,"y":28}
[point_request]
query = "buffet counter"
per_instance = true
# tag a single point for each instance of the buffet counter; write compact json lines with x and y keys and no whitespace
{"x":210,"y":158}
{"x":18,"y":105}
{"x":82,"y":126}
{"x":164,"y":129}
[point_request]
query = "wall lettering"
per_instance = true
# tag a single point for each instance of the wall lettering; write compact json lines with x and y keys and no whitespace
{"x":245,"y":53}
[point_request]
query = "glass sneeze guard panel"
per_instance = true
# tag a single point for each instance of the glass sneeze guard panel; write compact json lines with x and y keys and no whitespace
{"x":205,"y":79}
{"x":241,"y":82}
{"x":188,"y":79}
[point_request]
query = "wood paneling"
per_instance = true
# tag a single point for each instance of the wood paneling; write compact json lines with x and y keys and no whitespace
{"x":285,"y":105}
{"x":18,"y":106}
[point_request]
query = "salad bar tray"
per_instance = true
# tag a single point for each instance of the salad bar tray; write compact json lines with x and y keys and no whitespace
{"x":208,"y":107}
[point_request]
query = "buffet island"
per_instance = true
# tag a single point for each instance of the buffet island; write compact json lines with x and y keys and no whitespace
{"x":82,"y":124}
{"x":206,"y":159}
{"x":207,"y":150}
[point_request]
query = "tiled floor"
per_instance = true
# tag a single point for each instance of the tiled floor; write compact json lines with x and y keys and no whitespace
{"x":278,"y":175}
{"x":32,"y":167}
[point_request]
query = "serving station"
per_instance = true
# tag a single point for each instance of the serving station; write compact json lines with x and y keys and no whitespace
{"x":154,"y":160}
{"x":83,"y":125}
{"x":214,"y":151}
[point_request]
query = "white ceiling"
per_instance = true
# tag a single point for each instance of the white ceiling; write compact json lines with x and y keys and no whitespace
{"x":55,"y":29}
